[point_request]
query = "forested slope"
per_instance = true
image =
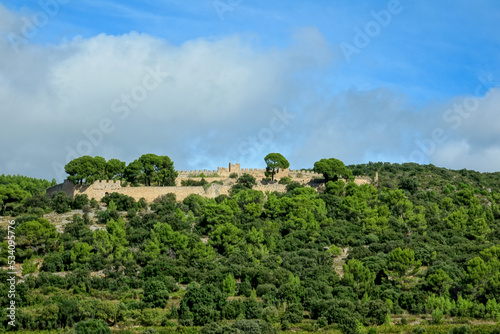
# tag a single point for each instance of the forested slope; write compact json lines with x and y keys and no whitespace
{"x":422,"y":248}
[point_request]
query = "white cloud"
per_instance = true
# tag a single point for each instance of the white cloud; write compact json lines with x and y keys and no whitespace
{"x":216,"y":93}
{"x":473,"y":133}
{"x":217,"y":104}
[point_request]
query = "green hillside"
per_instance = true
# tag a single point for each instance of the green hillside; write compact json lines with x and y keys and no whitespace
{"x":416,"y":252}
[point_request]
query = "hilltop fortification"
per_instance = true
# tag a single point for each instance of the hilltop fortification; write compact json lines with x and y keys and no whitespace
{"x":99,"y":189}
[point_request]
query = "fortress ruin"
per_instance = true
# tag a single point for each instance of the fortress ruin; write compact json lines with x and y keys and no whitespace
{"x":99,"y":189}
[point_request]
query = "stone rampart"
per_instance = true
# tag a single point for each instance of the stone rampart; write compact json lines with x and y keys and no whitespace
{"x":359,"y":180}
{"x":99,"y":189}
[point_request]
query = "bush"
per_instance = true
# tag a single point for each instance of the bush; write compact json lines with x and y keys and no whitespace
{"x":285,"y":325}
{"x":213,"y":328}
{"x":285,"y":180}
{"x":53,"y":262}
{"x":270,"y":314}
{"x":437,"y":317}
{"x":94,"y":204}
{"x":292,"y":186}
{"x":104,"y":216}
{"x":409,"y":184}
{"x":264,"y":289}
{"x":122,"y":202}
{"x":193,"y":183}
{"x":61,"y":203}
{"x":293,"y":313}
{"x":92,"y":326}
{"x":461,"y":330}
{"x":41,"y":201}
{"x":233,"y":175}
{"x":156,"y":293}
{"x":419,"y":330}
{"x":322,"y":322}
{"x":245,"y":289}
{"x":247,"y":181}
{"x":79,"y":201}
{"x":377,"y":311}
{"x":150,"y":331}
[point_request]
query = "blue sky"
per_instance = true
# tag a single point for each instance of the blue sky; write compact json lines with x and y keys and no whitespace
{"x":362,"y":81}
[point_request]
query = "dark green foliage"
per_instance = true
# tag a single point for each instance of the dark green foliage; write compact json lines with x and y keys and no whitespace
{"x":275,"y":162}
{"x":11,"y":196}
{"x":61,"y":203}
{"x":461,"y":330}
{"x":79,"y":201}
{"x":213,"y":328}
{"x":332,"y":169}
{"x":164,"y":205}
{"x":31,"y":185}
{"x":115,"y":169}
{"x":254,"y":327}
{"x":122,"y":202}
{"x":346,"y":322}
{"x":245,"y":289}
{"x":322,"y":322}
{"x":193,"y":183}
{"x":203,"y":303}
{"x":375,"y":312}
{"x":40,"y":200}
{"x":104,"y":216}
{"x":195,"y":203}
{"x":245,"y":181}
{"x":92,"y":326}
{"x":409,"y":184}
{"x":86,"y":169}
{"x":419,"y":330}
{"x":293,"y":313}
{"x":285,"y":180}
{"x":424,"y":240}
{"x":292,"y":186}
{"x":53,"y":262}
{"x":156,"y":293}
{"x":151,"y":169}
{"x":94,"y":204}
{"x":253,"y":309}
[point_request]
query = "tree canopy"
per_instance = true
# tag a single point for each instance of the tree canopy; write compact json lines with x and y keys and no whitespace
{"x":86,"y":169}
{"x":152,"y":169}
{"x":347,"y":258}
{"x":149,"y":169}
{"x":275,"y":162}
{"x":332,"y":169}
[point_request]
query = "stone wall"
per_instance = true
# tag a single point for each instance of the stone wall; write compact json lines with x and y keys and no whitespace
{"x":222,"y":172}
{"x":99,"y":189}
{"x":359,"y":180}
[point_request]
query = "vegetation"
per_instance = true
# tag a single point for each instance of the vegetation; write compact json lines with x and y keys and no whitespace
{"x":191,"y":182}
{"x":332,"y":169}
{"x":149,"y":169}
{"x":20,"y":194}
{"x":417,"y":252}
{"x":275,"y":162}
